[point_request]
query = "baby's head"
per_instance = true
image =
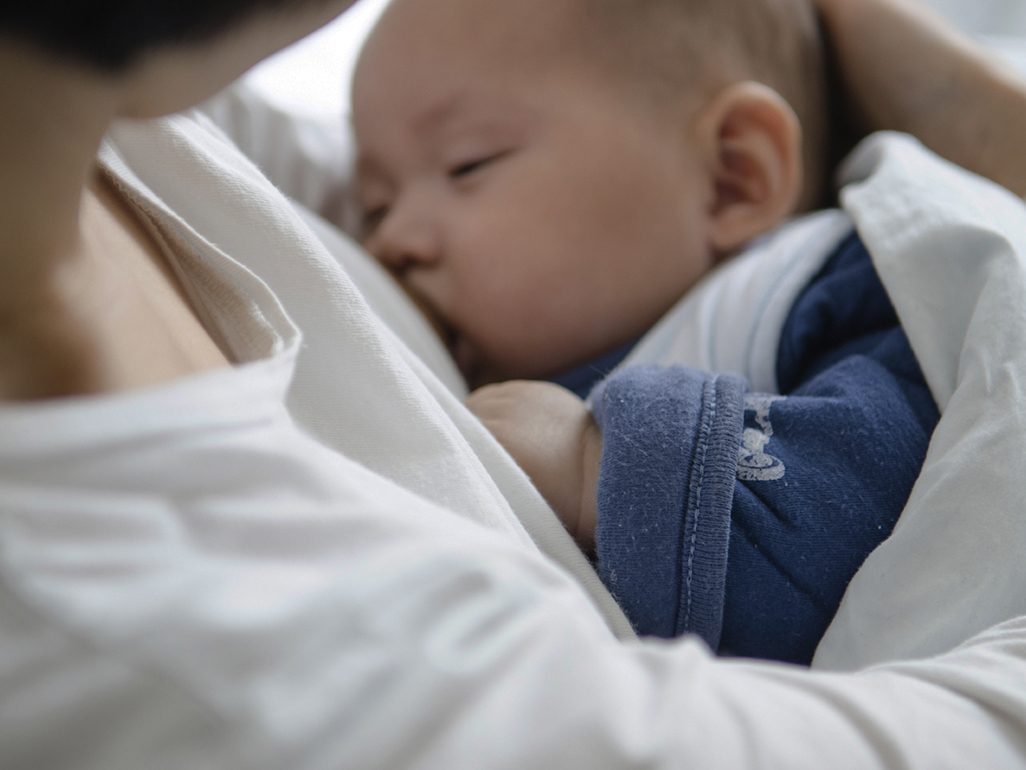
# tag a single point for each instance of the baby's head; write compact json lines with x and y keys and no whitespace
{"x":548,"y":177}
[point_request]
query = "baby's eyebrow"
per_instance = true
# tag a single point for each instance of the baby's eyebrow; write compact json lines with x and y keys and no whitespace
{"x":470,"y":110}
{"x":438,"y":113}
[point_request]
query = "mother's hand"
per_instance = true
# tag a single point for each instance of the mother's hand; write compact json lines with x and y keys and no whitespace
{"x":906,"y":69}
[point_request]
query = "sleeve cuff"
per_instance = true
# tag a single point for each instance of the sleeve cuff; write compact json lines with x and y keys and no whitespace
{"x":669,"y":464}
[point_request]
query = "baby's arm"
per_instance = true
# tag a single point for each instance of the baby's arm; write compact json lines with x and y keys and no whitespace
{"x":748,"y":533}
{"x":906,"y":69}
{"x":674,"y":511}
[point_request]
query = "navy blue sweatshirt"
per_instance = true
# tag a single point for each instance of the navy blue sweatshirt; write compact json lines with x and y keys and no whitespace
{"x":742,"y":517}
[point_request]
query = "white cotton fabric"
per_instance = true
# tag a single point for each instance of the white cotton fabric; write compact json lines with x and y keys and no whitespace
{"x":189,"y":579}
{"x":951,"y":251}
{"x":388,"y":301}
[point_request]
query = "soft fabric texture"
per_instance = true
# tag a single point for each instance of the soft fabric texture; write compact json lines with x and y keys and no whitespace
{"x":189,"y":579}
{"x":310,"y":159}
{"x":581,"y":380}
{"x":950,"y":248}
{"x":761,"y":523}
{"x":669,"y":461}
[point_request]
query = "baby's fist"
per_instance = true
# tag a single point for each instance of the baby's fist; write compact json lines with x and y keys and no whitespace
{"x":554,"y":438}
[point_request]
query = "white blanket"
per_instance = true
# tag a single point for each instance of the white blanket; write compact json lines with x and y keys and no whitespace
{"x":950,"y":249}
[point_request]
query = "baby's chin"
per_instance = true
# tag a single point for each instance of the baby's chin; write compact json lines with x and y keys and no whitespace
{"x":462,"y":351}
{"x":478,"y":370}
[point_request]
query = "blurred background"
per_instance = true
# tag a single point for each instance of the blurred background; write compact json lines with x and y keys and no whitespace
{"x":985,"y":17}
{"x":313,"y":75}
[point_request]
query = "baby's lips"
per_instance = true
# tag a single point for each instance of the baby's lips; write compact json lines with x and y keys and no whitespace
{"x":458,"y":346}
{"x":461,"y":354}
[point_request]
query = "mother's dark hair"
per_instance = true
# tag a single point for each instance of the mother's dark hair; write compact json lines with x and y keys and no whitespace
{"x":111,"y":34}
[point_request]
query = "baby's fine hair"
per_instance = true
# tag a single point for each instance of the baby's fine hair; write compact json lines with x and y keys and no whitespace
{"x":675,"y":45}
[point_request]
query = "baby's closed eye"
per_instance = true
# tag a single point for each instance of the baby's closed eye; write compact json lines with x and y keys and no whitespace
{"x":465,"y":169}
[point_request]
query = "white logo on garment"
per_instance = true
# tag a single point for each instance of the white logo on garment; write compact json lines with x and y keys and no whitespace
{"x":753,"y":464}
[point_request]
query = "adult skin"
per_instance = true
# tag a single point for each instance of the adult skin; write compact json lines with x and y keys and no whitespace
{"x":906,"y":69}
{"x":88,"y":303}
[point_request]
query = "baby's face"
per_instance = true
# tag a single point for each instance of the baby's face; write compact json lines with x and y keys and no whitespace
{"x":537,"y":212}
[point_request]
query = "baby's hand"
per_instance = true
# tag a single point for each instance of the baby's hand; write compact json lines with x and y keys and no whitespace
{"x":553,"y":437}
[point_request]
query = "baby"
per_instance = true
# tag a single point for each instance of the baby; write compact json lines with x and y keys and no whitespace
{"x":547,"y":179}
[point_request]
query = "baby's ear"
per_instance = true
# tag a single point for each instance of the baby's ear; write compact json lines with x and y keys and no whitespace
{"x":753,"y":151}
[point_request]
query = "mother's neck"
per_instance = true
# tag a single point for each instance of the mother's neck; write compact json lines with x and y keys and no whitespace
{"x":52,"y":121}
{"x":87,"y":301}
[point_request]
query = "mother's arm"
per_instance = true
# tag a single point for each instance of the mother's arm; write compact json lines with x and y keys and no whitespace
{"x":908,"y":70}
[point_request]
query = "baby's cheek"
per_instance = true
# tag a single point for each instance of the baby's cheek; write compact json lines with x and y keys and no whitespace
{"x":527,"y":301}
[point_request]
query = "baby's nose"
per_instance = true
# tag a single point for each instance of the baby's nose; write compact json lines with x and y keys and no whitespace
{"x":403,"y":241}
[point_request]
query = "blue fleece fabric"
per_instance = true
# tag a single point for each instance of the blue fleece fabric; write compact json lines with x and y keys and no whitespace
{"x":669,"y":461}
{"x":582,"y":379}
{"x":742,"y":517}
